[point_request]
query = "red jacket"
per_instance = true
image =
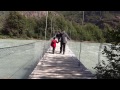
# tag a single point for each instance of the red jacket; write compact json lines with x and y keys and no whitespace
{"x":53,"y":43}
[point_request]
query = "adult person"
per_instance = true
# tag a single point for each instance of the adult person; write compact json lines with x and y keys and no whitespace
{"x":63,"y":36}
{"x":58,"y":35}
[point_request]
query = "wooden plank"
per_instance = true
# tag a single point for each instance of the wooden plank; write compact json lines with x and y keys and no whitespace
{"x":60,"y":66}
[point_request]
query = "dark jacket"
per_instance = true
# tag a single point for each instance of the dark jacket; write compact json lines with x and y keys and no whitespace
{"x":58,"y":35}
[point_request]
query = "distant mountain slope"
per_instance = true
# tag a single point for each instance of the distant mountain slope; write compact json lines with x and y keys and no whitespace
{"x":28,"y":13}
{"x":33,"y":13}
{"x":99,"y":18}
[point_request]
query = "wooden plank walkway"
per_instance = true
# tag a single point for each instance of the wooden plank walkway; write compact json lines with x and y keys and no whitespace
{"x":59,"y":66}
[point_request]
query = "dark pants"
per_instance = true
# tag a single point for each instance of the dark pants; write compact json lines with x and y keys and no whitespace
{"x":58,"y":40}
{"x":53,"y":50}
{"x":62,"y":47}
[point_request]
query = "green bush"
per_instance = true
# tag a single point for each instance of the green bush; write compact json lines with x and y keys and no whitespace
{"x":14,"y":25}
{"x":110,"y":70}
{"x":17,"y":25}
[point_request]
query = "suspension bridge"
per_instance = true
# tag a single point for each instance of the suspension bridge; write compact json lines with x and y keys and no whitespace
{"x":60,"y":66}
{"x":29,"y":59}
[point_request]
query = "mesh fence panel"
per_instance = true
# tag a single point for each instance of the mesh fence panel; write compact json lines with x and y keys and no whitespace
{"x":17,"y":62}
{"x":15,"y":49}
{"x":90,"y":54}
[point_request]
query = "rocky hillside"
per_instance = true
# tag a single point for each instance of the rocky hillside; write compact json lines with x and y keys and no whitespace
{"x":100,"y":18}
{"x":33,"y":13}
{"x":36,"y":14}
{"x":17,"y":26}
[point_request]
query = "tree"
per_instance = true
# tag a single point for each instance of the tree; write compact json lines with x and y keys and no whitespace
{"x":14,"y":25}
{"x":110,"y":70}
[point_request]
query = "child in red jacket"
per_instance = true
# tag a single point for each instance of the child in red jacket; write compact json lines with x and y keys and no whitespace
{"x":53,"y":44}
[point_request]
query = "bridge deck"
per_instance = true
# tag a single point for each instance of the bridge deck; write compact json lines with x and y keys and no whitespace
{"x":59,"y":66}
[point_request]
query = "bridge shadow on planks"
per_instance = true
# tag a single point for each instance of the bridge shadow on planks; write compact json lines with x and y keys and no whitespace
{"x":62,"y":67}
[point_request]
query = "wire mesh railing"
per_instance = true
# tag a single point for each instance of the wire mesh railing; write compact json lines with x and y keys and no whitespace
{"x":17,"y":62}
{"x":89,"y":54}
